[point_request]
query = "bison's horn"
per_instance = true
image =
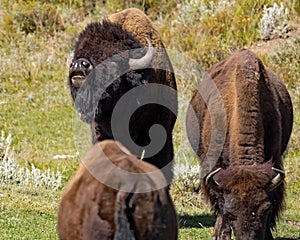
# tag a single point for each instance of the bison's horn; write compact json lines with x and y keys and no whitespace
{"x":211,"y":182}
{"x":277,"y":180}
{"x":143,"y":62}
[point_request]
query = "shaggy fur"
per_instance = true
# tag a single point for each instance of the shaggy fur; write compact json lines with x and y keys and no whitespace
{"x":99,"y":41}
{"x":140,"y":26}
{"x":258,"y":118}
{"x":89,"y":209}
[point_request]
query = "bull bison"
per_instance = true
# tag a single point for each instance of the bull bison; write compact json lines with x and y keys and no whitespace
{"x":240,"y":147}
{"x":103,"y":68}
{"x":90,"y":209}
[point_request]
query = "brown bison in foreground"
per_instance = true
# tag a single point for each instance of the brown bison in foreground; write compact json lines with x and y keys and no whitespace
{"x":91,"y":209}
{"x":111,"y":59}
{"x":239,"y":123}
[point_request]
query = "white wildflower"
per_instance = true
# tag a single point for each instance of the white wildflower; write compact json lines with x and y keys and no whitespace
{"x":273,"y":22}
{"x":11,"y":172}
{"x":188,"y":175}
{"x":192,"y":11}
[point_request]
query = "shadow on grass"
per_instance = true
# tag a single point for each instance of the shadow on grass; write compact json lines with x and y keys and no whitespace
{"x":286,"y":238}
{"x":196,"y":221}
{"x":205,"y":221}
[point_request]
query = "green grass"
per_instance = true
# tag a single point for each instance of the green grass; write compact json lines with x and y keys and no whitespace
{"x":36,"y":107}
{"x":28,"y":213}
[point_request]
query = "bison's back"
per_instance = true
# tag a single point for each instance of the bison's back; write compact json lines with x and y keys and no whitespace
{"x":91,"y":209}
{"x":257,"y":111}
{"x":78,"y":215}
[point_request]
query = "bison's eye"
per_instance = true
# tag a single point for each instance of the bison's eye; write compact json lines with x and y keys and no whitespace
{"x":265,"y":208}
{"x":85,"y":64}
{"x":80,"y":64}
{"x":231,"y":217}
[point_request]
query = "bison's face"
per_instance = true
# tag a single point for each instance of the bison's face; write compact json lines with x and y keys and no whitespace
{"x":79,"y":69}
{"x":96,"y":87}
{"x":81,"y":64}
{"x":247,"y":215}
{"x":245,"y":197}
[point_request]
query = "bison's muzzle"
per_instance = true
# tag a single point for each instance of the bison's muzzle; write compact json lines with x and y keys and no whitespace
{"x":79,"y":69}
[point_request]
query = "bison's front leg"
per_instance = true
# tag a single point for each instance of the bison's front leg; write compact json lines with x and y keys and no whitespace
{"x":222,"y":229}
{"x":268,"y":234}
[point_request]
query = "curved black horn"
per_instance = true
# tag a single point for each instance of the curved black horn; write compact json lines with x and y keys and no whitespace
{"x":143,"y":62}
{"x":277,"y":180}
{"x":211,"y":182}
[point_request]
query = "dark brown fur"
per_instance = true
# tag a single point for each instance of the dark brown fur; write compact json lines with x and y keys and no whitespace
{"x":127,"y":30}
{"x":89,"y":209}
{"x":258,"y":123}
{"x":139,"y":25}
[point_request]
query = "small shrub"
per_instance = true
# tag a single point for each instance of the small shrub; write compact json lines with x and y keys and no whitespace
{"x":286,"y":62}
{"x":11,"y":172}
{"x":208,"y":31}
{"x":39,"y":17}
{"x":273,"y":22}
{"x":193,"y":11}
{"x":188,"y":176}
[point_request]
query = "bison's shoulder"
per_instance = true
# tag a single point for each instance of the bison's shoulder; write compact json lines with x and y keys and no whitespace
{"x":241,"y":66}
{"x":122,"y":168}
{"x":139,"y":24}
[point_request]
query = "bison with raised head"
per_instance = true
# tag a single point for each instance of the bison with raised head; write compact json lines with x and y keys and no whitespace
{"x":111,"y":59}
{"x":239,"y":123}
{"x":114,"y":195}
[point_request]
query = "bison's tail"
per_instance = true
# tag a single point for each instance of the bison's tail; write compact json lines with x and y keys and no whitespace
{"x":122,"y":218}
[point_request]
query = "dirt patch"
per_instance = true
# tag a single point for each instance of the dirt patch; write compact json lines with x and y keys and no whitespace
{"x":294,"y":224}
{"x":262,"y":47}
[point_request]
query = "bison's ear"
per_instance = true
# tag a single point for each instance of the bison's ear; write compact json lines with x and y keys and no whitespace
{"x":134,"y":78}
{"x":267,"y":165}
{"x":270,"y":162}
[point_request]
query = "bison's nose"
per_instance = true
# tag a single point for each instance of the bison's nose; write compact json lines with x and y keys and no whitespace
{"x":79,"y":69}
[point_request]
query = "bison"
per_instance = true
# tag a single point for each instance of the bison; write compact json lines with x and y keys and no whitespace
{"x":104,"y":67}
{"x":138,"y":209}
{"x":239,"y":123}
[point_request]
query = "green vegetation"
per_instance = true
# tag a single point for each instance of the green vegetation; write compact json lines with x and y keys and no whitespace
{"x":36,"y":107}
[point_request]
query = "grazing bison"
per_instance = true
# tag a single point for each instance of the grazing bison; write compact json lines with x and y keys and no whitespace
{"x":241,"y":145}
{"x":90,"y":209}
{"x":102,"y":69}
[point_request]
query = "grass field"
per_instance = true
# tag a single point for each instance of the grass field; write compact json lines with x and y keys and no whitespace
{"x":36,"y":107}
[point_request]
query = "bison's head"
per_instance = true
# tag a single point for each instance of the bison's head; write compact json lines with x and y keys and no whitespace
{"x":106,"y":63}
{"x":245,"y":203}
{"x":81,"y":67}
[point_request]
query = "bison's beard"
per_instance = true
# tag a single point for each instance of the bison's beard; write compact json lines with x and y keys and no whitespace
{"x":97,"y":105}
{"x":92,"y":103}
